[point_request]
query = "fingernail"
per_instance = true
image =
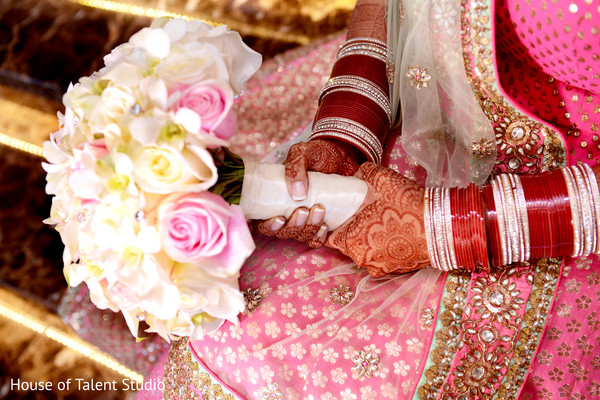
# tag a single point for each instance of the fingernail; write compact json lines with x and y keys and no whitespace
{"x":298,"y":190}
{"x":320,"y":236}
{"x":301,"y":217}
{"x":317,"y":216}
{"x":277,"y":224}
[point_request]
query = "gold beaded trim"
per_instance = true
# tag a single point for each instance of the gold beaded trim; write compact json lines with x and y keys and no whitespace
{"x":540,"y":301}
{"x":447,"y":335}
{"x":185,"y":379}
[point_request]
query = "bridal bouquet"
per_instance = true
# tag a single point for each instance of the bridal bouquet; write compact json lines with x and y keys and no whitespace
{"x":145,"y":191}
{"x":130,"y":169}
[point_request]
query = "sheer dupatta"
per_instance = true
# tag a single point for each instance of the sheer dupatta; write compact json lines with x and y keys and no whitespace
{"x":443,"y":127}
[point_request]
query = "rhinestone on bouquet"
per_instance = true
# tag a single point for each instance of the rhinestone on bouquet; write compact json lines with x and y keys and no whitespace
{"x":419,"y":77}
{"x":252,"y":297}
{"x":341,"y":295}
{"x":366,"y":363}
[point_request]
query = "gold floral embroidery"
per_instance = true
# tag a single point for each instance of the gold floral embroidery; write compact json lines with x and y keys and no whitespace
{"x":482,"y":148}
{"x":252,"y":298}
{"x":489,"y":330}
{"x":390,"y":70}
{"x":182,"y":373}
{"x":272,"y":392}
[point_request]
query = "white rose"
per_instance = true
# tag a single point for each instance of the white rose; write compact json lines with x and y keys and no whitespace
{"x":241,"y":61}
{"x":114,"y":105}
{"x":189,"y":63}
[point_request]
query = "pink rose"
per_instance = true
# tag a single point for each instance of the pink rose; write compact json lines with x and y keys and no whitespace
{"x":212,"y":102}
{"x":201,"y":228}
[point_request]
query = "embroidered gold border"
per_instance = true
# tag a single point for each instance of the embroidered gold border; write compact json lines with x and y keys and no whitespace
{"x":182,"y":373}
{"x":447,"y":336}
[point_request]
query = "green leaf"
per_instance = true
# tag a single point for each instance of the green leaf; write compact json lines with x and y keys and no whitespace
{"x":230,"y":168}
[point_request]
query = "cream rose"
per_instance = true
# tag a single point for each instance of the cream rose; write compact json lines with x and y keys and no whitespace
{"x":163,"y":169}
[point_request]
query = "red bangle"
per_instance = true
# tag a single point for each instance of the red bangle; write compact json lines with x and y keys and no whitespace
{"x":491,"y":219}
{"x":468,"y":227}
{"x":480,"y":255}
{"x":458,"y":233}
{"x":561,"y":205}
{"x":549,"y":215}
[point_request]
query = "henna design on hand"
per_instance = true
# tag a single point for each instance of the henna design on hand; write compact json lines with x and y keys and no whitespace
{"x":387,"y":235}
{"x":305,"y":232}
{"x":321,"y":155}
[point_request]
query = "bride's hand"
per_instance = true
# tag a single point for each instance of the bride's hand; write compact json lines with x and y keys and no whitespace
{"x":320,"y":155}
{"x":387,"y":234}
{"x":304,"y":225}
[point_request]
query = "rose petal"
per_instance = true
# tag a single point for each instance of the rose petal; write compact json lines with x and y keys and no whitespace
{"x":175,"y":28}
{"x":145,"y":130}
{"x":157,"y":43}
{"x":188,"y":119}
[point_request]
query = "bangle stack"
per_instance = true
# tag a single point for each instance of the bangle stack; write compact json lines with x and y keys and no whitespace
{"x":511,"y":220}
{"x":517,"y":218}
{"x":455,"y":228}
{"x":354,"y":105}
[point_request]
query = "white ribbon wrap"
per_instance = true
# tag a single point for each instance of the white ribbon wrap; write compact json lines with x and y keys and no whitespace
{"x":265,"y":194}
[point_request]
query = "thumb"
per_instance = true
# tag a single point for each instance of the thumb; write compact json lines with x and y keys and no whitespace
{"x":296,"y":178}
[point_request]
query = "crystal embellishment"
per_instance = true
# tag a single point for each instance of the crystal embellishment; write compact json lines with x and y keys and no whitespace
{"x":366,"y":363}
{"x":136,"y":109}
{"x":341,"y":295}
{"x":272,"y":392}
{"x":140,"y":216}
{"x":418,"y":77}
{"x":252,"y":297}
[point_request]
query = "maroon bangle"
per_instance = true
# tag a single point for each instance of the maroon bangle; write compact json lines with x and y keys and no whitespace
{"x":358,"y":108}
{"x":468,"y":228}
{"x":365,"y":67}
{"x":561,"y":206}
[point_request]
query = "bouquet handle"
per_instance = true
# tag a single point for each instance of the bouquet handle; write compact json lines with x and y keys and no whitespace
{"x":265,"y":195}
